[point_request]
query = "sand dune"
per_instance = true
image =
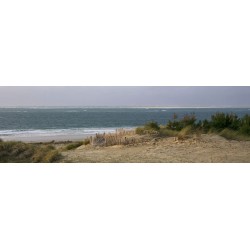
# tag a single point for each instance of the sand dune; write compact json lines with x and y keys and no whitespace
{"x":208,"y":148}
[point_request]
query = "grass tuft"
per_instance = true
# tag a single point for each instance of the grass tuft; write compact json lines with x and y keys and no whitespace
{"x":164,"y":132}
{"x":74,"y":145}
{"x":234,"y":135}
{"x":185,"y":132}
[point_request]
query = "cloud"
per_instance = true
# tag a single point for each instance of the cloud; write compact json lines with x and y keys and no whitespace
{"x":125,"y":96}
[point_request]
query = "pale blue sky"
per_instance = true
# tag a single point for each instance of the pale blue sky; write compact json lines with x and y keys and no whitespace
{"x":126,"y":96}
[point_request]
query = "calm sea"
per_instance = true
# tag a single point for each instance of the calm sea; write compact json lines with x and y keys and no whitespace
{"x":85,"y":121}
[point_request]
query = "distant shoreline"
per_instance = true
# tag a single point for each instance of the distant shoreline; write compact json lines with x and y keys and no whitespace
{"x":37,"y":138}
{"x":121,"y":107}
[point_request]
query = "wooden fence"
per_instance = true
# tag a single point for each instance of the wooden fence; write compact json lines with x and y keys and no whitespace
{"x":120,"y":137}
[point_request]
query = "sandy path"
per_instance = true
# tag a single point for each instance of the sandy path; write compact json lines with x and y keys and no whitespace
{"x":210,"y":148}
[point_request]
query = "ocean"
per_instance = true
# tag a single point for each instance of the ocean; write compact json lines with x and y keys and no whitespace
{"x":49,"y":123}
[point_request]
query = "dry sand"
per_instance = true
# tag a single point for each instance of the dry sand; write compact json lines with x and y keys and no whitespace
{"x":208,"y":148}
{"x":45,"y":138}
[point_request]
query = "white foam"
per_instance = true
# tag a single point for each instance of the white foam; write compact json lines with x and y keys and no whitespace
{"x":57,"y":132}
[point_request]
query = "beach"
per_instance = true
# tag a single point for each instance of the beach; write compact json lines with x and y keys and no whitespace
{"x":37,"y":138}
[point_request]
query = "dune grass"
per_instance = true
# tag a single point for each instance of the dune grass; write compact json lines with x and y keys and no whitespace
{"x":165,"y":132}
{"x":74,"y":145}
{"x":234,"y":135}
{"x":77,"y":144}
{"x":185,"y":133}
{"x":20,"y":152}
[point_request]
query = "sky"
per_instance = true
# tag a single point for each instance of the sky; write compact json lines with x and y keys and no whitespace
{"x":126,"y":96}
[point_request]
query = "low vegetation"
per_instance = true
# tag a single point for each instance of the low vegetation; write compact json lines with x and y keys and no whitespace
{"x":19,"y":152}
{"x":229,"y":126}
{"x":74,"y":145}
{"x":120,"y":137}
{"x":149,"y":128}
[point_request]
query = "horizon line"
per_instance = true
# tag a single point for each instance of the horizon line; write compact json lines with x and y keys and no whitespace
{"x":146,"y":107}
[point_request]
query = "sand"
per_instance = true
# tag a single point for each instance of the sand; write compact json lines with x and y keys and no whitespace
{"x":45,"y":138}
{"x":206,"y":149}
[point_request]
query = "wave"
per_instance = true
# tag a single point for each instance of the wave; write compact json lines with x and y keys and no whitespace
{"x":58,"y":132}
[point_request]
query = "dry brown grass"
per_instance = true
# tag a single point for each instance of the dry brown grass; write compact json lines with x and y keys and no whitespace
{"x":121,"y":137}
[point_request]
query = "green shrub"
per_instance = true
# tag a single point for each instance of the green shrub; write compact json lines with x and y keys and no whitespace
{"x":220,"y":121}
{"x":187,"y":120}
{"x":152,"y":126}
{"x":245,"y":125}
{"x":148,"y":128}
{"x":245,"y":130}
{"x":205,"y":126}
{"x":174,"y":125}
{"x":228,"y":125}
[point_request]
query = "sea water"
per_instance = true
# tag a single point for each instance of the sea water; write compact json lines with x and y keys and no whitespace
{"x":49,"y":122}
